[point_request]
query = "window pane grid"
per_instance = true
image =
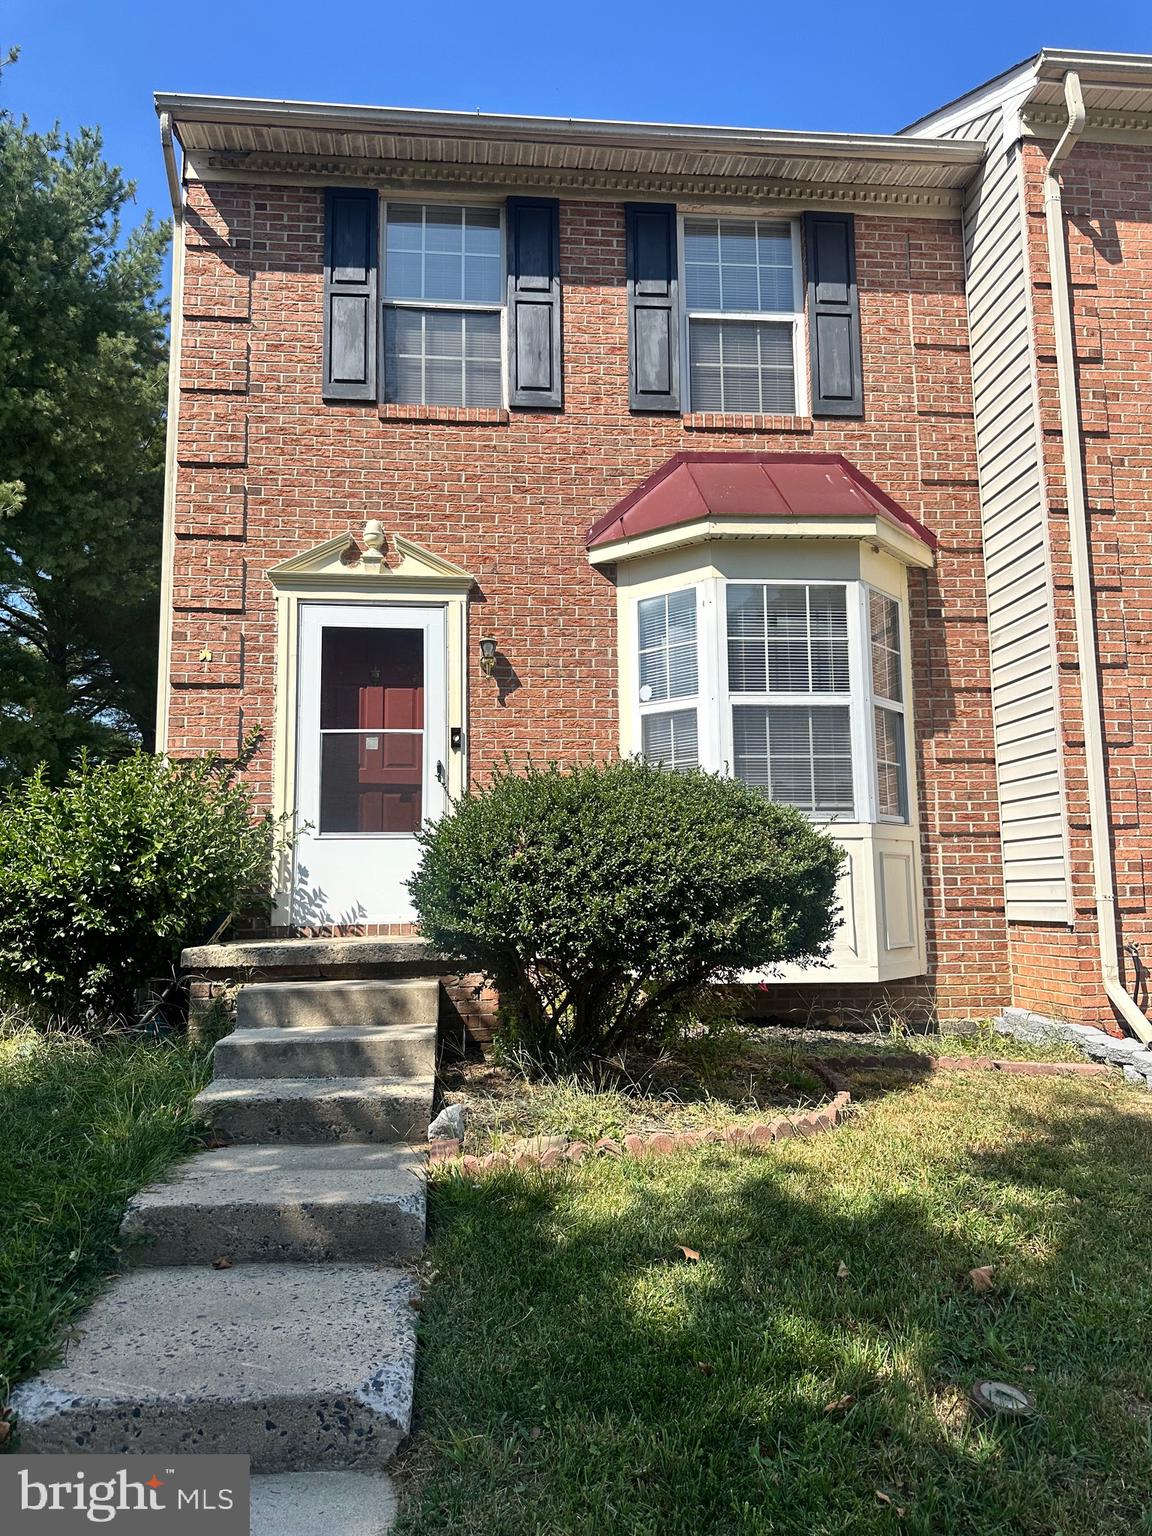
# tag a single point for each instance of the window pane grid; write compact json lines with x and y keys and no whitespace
{"x":670,"y":739}
{"x":442,"y":357}
{"x":884,"y":635}
{"x":891,"y":772}
{"x":737,"y":274}
{"x":440,"y":256}
{"x":739,"y":265}
{"x":791,"y":641}
{"x":443,"y":253}
{"x":798,"y":754}
{"x":666,"y":629}
{"x":787,"y":639}
{"x":742,"y":365}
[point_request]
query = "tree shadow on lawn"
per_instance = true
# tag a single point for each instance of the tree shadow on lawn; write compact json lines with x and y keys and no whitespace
{"x":579,"y":1376}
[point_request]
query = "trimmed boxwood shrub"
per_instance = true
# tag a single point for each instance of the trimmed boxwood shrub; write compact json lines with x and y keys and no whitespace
{"x":105,"y":878}
{"x":601,"y":898}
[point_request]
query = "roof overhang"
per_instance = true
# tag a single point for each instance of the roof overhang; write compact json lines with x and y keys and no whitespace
{"x":1117,"y":90}
{"x":697,"y":498}
{"x":231,"y":138}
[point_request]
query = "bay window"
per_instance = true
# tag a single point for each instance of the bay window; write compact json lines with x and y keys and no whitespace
{"x":795,"y":687}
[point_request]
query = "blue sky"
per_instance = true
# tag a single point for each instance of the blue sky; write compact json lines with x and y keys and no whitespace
{"x":834,"y":66}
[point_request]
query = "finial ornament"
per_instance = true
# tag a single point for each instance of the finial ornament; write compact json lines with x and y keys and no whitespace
{"x":373,"y":555}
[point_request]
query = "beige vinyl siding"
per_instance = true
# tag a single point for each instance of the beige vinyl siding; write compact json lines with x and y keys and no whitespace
{"x":1025,"y":691}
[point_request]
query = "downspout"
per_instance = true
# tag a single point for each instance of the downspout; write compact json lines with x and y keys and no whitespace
{"x":1079,"y":542}
{"x":175,"y":334}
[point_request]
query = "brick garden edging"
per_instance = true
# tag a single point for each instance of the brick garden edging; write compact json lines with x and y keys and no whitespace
{"x":812,"y":1122}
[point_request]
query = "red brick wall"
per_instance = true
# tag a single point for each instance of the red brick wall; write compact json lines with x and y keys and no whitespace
{"x":1108,"y":204}
{"x":267,"y":470}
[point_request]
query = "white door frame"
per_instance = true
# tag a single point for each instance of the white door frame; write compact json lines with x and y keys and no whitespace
{"x":336,"y":572}
{"x":348,"y":879}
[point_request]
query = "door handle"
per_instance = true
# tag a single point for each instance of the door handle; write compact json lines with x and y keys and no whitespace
{"x":441,"y":776}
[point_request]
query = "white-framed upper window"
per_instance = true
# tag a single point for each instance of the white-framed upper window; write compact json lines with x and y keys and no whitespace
{"x":743,"y":315}
{"x":443,"y":304}
{"x":796,"y":687}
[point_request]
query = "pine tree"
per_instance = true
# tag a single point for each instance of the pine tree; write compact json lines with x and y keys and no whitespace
{"x":83,"y":377}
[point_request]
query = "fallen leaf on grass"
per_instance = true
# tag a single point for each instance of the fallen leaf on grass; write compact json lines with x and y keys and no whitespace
{"x":839,"y":1404}
{"x":1030,"y":1369}
{"x":416,"y":1303}
{"x":223,"y":1262}
{"x":981,"y":1278}
{"x":705,"y":1367}
{"x":535,"y":1432}
{"x":886,"y":1498}
{"x":690,"y":1254}
{"x":842,"y":1271}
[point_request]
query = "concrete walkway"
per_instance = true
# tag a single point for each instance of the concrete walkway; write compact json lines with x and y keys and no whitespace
{"x":268,"y":1311}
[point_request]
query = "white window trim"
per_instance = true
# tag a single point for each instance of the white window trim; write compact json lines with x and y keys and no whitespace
{"x":797,"y":318}
{"x":713,"y":700}
{"x":897,"y":706}
{"x":500,"y":308}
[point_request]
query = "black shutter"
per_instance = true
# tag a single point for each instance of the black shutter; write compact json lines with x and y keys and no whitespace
{"x":833,"y":314}
{"x":350,"y":326}
{"x":653,"y":308}
{"x":536,"y":376}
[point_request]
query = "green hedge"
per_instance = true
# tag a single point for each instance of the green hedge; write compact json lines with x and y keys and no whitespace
{"x":105,"y":878}
{"x":599,"y":899}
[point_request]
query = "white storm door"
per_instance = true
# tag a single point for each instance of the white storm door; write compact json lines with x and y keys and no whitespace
{"x":371,"y":757}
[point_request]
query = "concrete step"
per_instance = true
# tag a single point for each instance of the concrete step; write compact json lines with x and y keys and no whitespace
{"x":315,"y":1109}
{"x":338,"y":1050}
{"x":272,"y":1204}
{"x":304,"y":1503}
{"x":312,"y":1004}
{"x":293,"y":1365}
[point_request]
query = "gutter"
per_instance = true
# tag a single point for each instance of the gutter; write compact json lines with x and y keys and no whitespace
{"x":1079,"y":540}
{"x":175,"y":336}
{"x":603,"y":132}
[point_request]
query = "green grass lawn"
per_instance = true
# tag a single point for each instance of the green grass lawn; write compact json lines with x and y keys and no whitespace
{"x":82,"y":1127}
{"x":577,"y":1377}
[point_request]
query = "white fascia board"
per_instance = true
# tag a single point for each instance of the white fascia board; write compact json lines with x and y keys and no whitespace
{"x":886,"y":536}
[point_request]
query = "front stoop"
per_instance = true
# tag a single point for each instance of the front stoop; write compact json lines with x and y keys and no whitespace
{"x":299,"y":1350}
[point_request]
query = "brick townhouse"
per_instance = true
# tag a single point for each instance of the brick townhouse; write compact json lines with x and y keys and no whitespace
{"x":822,"y":459}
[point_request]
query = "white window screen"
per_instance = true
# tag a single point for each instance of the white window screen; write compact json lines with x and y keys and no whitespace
{"x":735,"y":272}
{"x":888,"y":713}
{"x":670,"y":738}
{"x":443,"y":293}
{"x":442,"y":357}
{"x":798,"y":754}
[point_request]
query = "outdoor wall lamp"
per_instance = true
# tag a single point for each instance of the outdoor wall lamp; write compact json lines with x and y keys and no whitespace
{"x":487,"y":657}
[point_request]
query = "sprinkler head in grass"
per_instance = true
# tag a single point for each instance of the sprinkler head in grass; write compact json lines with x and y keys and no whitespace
{"x":1001,"y":1400}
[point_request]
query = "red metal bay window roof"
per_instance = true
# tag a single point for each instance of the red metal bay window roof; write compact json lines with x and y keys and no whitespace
{"x":692,"y":487}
